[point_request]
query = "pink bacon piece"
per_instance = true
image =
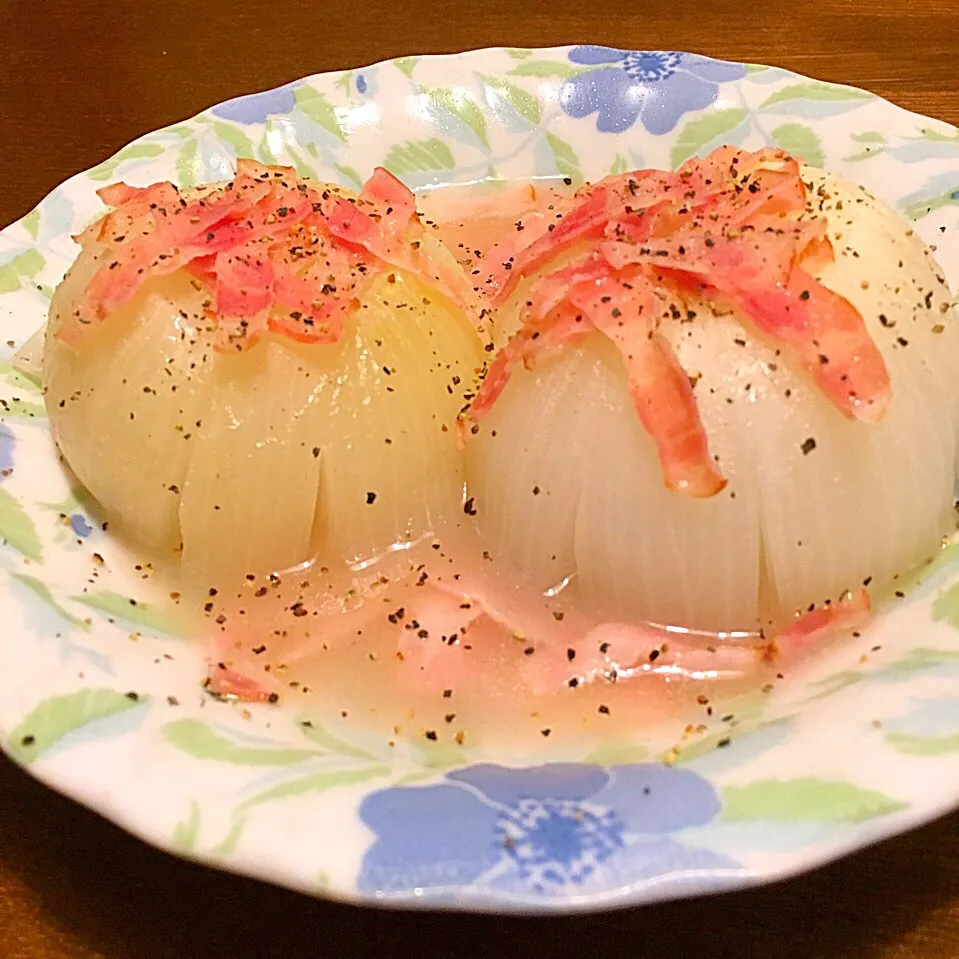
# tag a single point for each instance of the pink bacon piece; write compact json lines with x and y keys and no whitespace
{"x":142,"y":198}
{"x":397,"y":205}
{"x":127,"y":234}
{"x":314,"y":292}
{"x":232,"y":684}
{"x":588,"y":295}
{"x":759,"y":273}
{"x":383,"y":222}
{"x":548,"y":324}
{"x":233,"y":671}
{"x":621,"y":651}
{"x":244,"y":292}
{"x":829,"y":337}
{"x":850,"y":615}
{"x":243,"y":239}
{"x":631,"y":194}
{"x":728,"y":186}
{"x":626,"y":312}
{"x":585,"y":222}
{"x":745,"y":184}
{"x":434,"y":653}
{"x":162,"y":232}
{"x":763,"y":252}
{"x":451,"y":626}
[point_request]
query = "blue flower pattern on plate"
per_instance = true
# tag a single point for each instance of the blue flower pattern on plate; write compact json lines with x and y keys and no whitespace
{"x":655,"y":87}
{"x":7,"y":443}
{"x":543,"y":830}
{"x":257,"y":107}
{"x":80,"y":526}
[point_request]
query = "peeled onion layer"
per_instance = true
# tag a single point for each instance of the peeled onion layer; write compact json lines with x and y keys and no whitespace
{"x":391,"y":471}
{"x":508,"y":316}
{"x":135,"y":383}
{"x":331,"y":454}
{"x":526,"y":465}
{"x":569,"y":488}
{"x":648,"y":553}
{"x":249,"y":499}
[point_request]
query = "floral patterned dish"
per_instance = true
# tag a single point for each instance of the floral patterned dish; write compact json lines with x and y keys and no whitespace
{"x":102,"y":699}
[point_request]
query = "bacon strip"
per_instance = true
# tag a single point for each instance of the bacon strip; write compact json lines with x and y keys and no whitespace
{"x":851,"y":614}
{"x":231,"y":684}
{"x":589,"y":295}
{"x":276,"y":252}
{"x":733,"y":228}
{"x":383,"y":223}
{"x":760,"y":274}
{"x":627,"y":313}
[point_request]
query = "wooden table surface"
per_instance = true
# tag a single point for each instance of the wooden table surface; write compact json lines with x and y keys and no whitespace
{"x":78,"y":80}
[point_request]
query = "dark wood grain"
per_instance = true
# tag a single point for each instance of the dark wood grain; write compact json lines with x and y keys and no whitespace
{"x":79,"y":79}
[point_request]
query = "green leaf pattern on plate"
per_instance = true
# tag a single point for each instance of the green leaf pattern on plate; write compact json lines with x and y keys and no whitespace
{"x":705,"y":130}
{"x":799,"y":140}
{"x":328,"y":741}
{"x":235,"y":137}
{"x":406,"y":65}
{"x":17,"y":528}
{"x":917,"y":209}
{"x":525,"y":104}
{"x":869,"y":136}
{"x":199,"y":740}
{"x":31,"y":223}
{"x":129,"y":611}
{"x":350,"y":175}
{"x":544,"y":68}
{"x":462,"y":107}
{"x":814,"y":91}
{"x":22,"y":267}
{"x":419,"y":155}
{"x":41,"y":590}
{"x":567,"y":161}
{"x":186,"y":832}
{"x":315,"y":783}
{"x":187,"y":173}
{"x":316,"y":106}
{"x":806,"y":799}
{"x":54,"y":718}
{"x":913,"y":745}
{"x":946,"y":606}
{"x":136,"y":151}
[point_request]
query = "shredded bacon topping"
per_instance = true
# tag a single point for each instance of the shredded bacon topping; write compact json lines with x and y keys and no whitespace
{"x":732,"y":228}
{"x":277,"y":252}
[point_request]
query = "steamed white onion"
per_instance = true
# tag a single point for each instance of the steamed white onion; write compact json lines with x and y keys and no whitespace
{"x":569,"y":488}
{"x":257,"y":461}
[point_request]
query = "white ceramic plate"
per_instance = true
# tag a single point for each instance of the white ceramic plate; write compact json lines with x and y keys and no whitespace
{"x":101,"y":699}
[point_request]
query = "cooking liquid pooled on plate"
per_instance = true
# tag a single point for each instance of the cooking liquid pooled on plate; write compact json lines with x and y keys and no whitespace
{"x":407,"y":649}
